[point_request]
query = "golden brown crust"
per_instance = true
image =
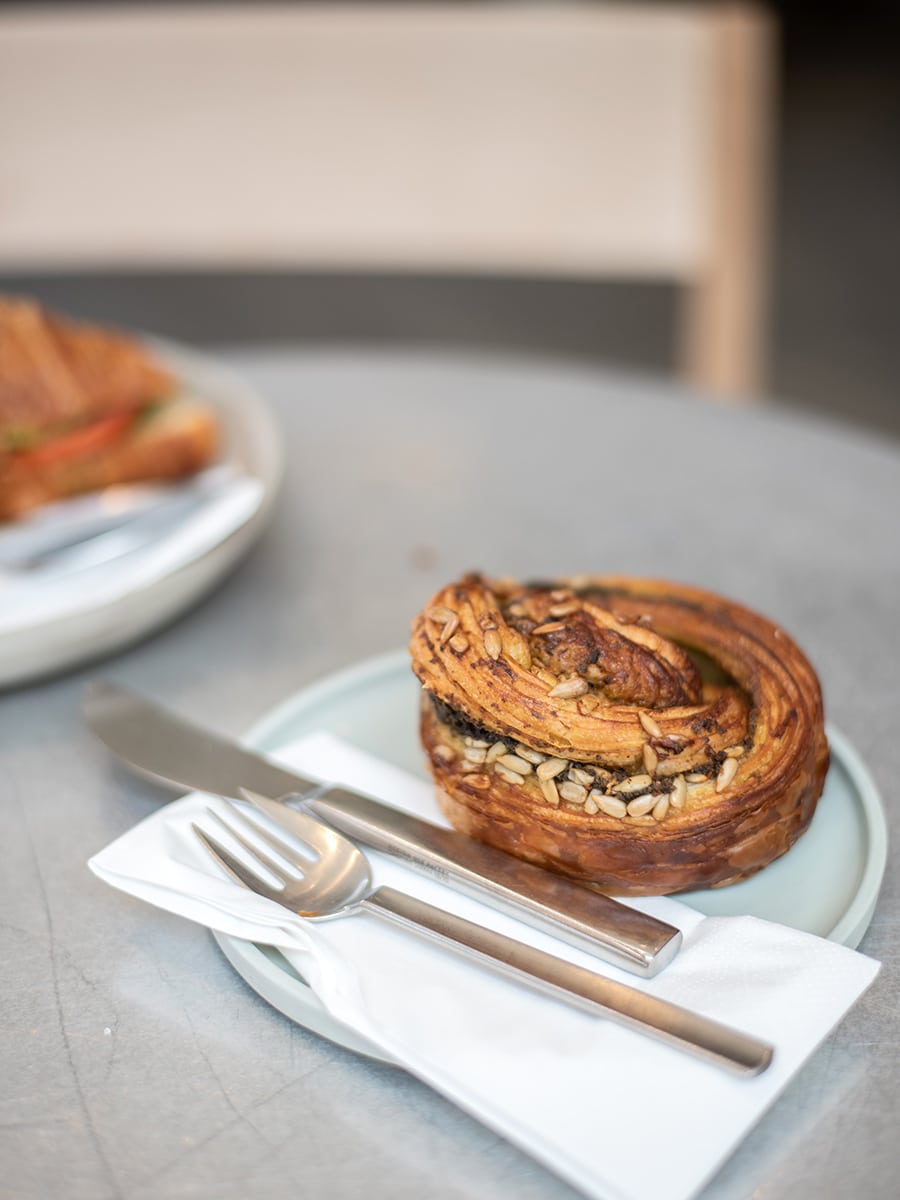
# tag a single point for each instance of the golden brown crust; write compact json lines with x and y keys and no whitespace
{"x":56,"y":372}
{"x":638,"y":687}
{"x":177,"y":440}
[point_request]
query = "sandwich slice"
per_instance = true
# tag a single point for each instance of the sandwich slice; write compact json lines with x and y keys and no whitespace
{"x":83,"y":408}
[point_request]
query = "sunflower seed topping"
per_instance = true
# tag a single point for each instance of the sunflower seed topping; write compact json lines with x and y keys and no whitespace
{"x":551,"y":767}
{"x":475,"y":754}
{"x":459,"y":643}
{"x":505,"y":773}
{"x":650,"y":726}
{"x":574,"y":793}
{"x":696,"y":777}
{"x":590,"y":805}
{"x":578,"y":775}
{"x":611,"y":805}
{"x":565,"y":609}
{"x":444,"y":752}
{"x":661,"y":807}
{"x":678,"y":795}
{"x":441,"y":615}
{"x":569,"y":689}
{"x":651,"y":759}
{"x":551,"y":793}
{"x":492,"y":643}
{"x":512,"y":762}
{"x":633,"y":785}
{"x":735,"y":752}
{"x":726,"y":774}
{"x":677,"y":739}
{"x":495,"y":751}
{"x":449,"y":629}
{"x":641,"y":805}
{"x":532,"y":756}
{"x":552,"y":627}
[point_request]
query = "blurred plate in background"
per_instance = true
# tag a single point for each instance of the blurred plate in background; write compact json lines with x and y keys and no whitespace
{"x":79,"y":603}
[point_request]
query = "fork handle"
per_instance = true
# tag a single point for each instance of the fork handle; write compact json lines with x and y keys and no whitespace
{"x":582,"y":988}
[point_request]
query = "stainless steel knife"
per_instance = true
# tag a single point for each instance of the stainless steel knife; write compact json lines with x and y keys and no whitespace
{"x":172,"y":751}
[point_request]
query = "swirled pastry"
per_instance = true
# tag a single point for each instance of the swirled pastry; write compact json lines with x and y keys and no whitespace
{"x":642,"y":736}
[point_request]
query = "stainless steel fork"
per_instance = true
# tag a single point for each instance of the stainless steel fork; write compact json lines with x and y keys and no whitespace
{"x":320,"y":874}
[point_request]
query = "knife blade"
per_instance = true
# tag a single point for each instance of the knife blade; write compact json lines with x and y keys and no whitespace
{"x":164,"y":747}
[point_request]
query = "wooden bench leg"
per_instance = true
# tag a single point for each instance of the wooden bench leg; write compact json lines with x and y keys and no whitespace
{"x":723,"y":316}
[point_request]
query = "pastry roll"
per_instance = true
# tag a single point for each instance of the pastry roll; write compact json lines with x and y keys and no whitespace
{"x":644,"y":737}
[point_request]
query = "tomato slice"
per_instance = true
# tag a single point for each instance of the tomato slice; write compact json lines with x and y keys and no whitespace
{"x":86,"y":440}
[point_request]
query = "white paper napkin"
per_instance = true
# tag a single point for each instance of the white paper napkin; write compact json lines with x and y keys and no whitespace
{"x":618,"y":1115}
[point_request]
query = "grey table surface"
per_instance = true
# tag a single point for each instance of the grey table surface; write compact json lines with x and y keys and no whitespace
{"x":134,"y":1061}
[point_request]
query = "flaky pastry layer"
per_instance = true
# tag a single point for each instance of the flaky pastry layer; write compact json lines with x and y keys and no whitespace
{"x":640,"y":735}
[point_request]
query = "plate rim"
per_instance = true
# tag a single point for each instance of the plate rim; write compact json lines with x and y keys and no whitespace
{"x":852,"y":926}
{"x":98,"y":628}
{"x":269,"y":980}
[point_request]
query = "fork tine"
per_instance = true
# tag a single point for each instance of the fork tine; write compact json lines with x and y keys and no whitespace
{"x":250,"y":820}
{"x":239,"y":821}
{"x":300,"y":826}
{"x":232,"y":865}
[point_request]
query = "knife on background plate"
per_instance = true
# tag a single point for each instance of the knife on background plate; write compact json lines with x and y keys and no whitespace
{"x":170,"y":750}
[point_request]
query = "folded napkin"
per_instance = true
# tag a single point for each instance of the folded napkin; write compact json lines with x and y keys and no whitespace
{"x":615,"y":1113}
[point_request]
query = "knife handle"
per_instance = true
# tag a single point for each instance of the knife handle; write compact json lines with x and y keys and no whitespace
{"x":589,"y":920}
{"x":586,"y":990}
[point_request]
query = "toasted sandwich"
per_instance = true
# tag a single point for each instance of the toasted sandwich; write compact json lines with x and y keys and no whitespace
{"x":83,"y":408}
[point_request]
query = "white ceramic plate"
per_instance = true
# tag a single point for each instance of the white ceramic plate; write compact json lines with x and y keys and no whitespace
{"x":111,"y":614}
{"x":827,"y":884}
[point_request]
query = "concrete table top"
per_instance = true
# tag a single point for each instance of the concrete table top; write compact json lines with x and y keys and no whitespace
{"x":135,"y":1063}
